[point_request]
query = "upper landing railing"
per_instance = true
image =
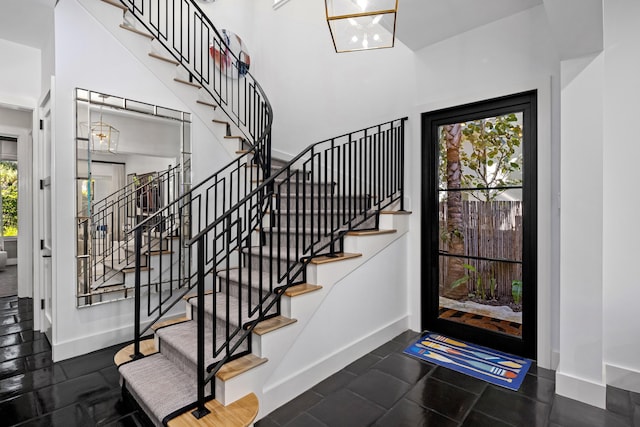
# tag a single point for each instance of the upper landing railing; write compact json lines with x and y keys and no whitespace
{"x":186,"y":32}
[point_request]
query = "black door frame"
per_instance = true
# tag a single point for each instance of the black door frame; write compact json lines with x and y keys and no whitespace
{"x":527,"y":103}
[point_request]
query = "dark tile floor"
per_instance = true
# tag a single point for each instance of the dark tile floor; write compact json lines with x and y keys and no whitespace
{"x":34,"y":391}
{"x":383,"y":388}
{"x":386,"y":388}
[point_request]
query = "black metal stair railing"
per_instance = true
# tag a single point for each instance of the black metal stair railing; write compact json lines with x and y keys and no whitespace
{"x":248,"y":239}
{"x":303,"y":210}
{"x":190,"y":37}
{"x":106,"y":231}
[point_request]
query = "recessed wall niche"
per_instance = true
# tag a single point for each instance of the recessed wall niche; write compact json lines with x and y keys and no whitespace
{"x":132,"y":159}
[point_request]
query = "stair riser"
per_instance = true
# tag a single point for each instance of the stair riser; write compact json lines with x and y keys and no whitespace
{"x":185,"y":363}
{"x":307,"y":188}
{"x":153,"y":244}
{"x":220,"y":325}
{"x":160,"y":267}
{"x":300,"y":203}
{"x":256,"y":295}
{"x":309,"y":220}
{"x":299,"y":242}
{"x":252,"y":261}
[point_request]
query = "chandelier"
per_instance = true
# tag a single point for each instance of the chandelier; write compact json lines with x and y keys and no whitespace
{"x":104,"y":137}
{"x":361,"y":24}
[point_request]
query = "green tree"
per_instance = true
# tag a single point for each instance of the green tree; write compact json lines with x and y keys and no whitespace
{"x":493,"y":156}
{"x":9,"y":189}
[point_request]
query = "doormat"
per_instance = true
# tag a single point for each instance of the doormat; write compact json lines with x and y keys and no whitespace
{"x":493,"y":366}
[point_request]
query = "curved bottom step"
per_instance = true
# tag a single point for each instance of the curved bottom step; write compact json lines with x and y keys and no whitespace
{"x":240,"y":413}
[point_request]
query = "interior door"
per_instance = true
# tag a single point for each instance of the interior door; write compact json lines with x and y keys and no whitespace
{"x":44,"y":221}
{"x":479,"y":223}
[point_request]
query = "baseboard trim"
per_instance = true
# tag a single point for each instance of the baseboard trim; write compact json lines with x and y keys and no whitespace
{"x":586,"y":391}
{"x":88,"y":343}
{"x":624,"y":378}
{"x":289,"y":387}
{"x":103,"y":339}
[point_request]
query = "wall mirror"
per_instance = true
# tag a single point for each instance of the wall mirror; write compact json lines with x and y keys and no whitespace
{"x":132,"y":159}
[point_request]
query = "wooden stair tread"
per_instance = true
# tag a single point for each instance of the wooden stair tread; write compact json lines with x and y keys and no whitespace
{"x":396,"y":212}
{"x":186,"y":82}
{"x":189,"y":296}
{"x":169,"y":322}
{"x":163,"y":58}
{"x":208,"y":104}
{"x":133,"y":269}
{"x":242,"y":151}
{"x":272,"y":324}
{"x":136,"y":31}
{"x":239,"y":366}
{"x":325,"y":259}
{"x":233,"y":136}
{"x":116,"y":4}
{"x":370,"y":232}
{"x":159,"y":252}
{"x":301,"y":289}
{"x":147,"y":347}
{"x":242,"y":412}
{"x":222,"y":122}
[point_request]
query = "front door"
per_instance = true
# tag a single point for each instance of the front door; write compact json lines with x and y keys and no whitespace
{"x":479,"y":223}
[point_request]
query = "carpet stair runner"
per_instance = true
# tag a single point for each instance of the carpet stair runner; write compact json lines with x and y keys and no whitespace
{"x":166,"y":381}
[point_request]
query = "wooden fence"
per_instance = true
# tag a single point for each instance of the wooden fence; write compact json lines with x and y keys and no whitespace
{"x":490,"y":230}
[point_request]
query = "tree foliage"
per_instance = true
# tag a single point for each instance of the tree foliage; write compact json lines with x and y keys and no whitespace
{"x":9,"y":188}
{"x":494,"y":155}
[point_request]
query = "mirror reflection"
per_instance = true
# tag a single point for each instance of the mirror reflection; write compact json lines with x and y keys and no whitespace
{"x":132,"y":159}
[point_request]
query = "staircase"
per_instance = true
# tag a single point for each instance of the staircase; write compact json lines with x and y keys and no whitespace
{"x":262,"y":244}
{"x":109,"y":246}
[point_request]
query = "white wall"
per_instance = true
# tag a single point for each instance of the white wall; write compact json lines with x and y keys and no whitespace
{"x":145,"y":164}
{"x":579,"y":373}
{"x":599,"y":328}
{"x":87,"y":56}
{"x":19,"y":74}
{"x":140,"y":134}
{"x":315,"y":93}
{"x":620,"y":202}
{"x":15,"y":118}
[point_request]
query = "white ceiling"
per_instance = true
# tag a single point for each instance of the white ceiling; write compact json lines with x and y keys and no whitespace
{"x":421,"y":23}
{"x":27,"y":22}
{"x":576,"y":25}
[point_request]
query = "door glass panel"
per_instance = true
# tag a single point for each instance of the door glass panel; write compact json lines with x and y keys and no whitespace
{"x":480,"y":174}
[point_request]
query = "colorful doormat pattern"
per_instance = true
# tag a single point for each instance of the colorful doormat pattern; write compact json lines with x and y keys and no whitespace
{"x":489,"y":365}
